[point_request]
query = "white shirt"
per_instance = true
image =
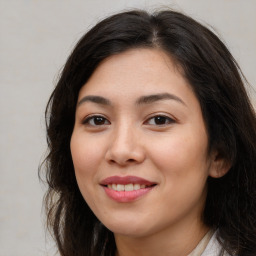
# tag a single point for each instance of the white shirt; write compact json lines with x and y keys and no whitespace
{"x":208,"y":246}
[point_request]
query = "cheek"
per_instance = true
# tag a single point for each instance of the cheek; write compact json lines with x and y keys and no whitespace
{"x":84,"y":157}
{"x":86,"y":154}
{"x":183,"y":153}
{"x":182,"y":162}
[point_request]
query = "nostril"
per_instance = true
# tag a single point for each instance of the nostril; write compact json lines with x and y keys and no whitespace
{"x":112,"y":161}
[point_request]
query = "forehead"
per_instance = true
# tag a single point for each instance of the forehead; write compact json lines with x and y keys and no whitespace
{"x":135,"y":73}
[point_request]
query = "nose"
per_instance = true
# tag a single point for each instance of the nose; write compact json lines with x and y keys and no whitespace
{"x":125,"y":147}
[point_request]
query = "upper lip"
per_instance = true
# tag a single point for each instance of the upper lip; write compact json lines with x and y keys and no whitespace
{"x":126,"y":180}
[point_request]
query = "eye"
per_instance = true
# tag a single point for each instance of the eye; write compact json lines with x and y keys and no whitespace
{"x":160,"y":120}
{"x":96,"y":121}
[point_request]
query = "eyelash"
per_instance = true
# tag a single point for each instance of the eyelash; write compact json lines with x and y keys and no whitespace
{"x":104,"y":121}
{"x":93,"y":118}
{"x":167,"y":120}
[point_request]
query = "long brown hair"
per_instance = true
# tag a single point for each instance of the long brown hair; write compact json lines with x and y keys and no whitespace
{"x":230,"y":119}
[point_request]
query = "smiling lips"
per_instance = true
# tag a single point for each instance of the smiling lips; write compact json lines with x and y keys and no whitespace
{"x":126,"y":189}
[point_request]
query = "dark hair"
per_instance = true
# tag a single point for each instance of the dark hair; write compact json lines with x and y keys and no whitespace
{"x":218,"y":84}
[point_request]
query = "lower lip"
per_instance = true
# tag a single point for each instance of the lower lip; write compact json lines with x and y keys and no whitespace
{"x":126,"y":196}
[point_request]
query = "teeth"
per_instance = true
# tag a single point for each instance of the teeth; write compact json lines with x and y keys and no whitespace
{"x":128,"y":187}
{"x":120,"y":187}
{"x":136,"y":186}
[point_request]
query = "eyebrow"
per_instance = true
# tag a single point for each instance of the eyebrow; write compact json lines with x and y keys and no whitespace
{"x":157,"y":97}
{"x":148,"y":99}
{"x":95,"y":99}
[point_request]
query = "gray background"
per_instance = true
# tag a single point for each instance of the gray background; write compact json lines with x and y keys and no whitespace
{"x":36,"y":37}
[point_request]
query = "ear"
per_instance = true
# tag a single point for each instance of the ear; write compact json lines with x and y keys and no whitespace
{"x":219,"y":166}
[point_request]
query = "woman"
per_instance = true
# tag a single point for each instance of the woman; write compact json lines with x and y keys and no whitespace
{"x":151,"y":141}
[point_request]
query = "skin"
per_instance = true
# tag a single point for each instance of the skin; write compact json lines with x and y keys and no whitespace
{"x":127,"y":140}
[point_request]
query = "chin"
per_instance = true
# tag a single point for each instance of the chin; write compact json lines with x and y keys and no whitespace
{"x":129,"y":229}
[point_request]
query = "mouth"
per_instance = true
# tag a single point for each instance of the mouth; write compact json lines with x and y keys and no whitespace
{"x":126,"y":189}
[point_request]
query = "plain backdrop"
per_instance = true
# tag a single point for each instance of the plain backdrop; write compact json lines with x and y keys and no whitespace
{"x":36,"y":36}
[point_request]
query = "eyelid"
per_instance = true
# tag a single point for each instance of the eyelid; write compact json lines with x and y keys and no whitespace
{"x":170,"y":119}
{"x":88,"y":118}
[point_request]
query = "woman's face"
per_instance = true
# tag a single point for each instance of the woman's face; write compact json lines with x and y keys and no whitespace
{"x":139,"y":145}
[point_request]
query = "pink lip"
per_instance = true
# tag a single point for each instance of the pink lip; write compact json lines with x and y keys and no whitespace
{"x":126,"y":196}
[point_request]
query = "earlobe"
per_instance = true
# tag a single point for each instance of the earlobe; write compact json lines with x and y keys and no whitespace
{"x":219,"y":166}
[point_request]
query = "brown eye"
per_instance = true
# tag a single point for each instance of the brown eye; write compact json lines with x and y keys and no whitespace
{"x":96,"y":121}
{"x":160,"y":120}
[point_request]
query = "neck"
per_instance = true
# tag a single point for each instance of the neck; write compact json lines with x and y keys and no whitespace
{"x":178,"y":241}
